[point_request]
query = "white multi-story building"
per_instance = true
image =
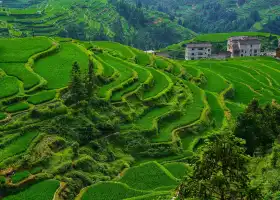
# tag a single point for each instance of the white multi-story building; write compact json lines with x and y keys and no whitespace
{"x":242,"y":46}
{"x":195,"y":51}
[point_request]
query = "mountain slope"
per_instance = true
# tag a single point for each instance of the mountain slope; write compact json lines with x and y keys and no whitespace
{"x":91,"y":20}
{"x":205,"y":16}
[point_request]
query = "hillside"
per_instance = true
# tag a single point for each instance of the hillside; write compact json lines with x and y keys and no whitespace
{"x":207,"y":16}
{"x":91,"y":20}
{"x":129,"y":136}
{"x":219,"y":41}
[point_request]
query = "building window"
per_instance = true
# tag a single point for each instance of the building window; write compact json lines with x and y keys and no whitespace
{"x":255,"y":51}
{"x":251,"y":46}
{"x":192,"y":48}
{"x":192,"y":58}
{"x":242,"y":50}
{"x":241,"y":55}
{"x":192,"y":54}
{"x":200,"y":49}
{"x":208,"y":49}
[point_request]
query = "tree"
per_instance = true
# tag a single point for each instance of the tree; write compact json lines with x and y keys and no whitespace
{"x":220,"y":172}
{"x":259,"y":127}
{"x":77,"y":89}
{"x":90,"y":79}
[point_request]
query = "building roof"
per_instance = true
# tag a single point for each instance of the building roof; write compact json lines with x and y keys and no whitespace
{"x":198,"y":45}
{"x":243,"y":38}
{"x":251,"y":41}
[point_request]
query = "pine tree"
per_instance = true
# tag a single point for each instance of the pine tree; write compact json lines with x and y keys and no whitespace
{"x":90,"y":79}
{"x":76,"y":86}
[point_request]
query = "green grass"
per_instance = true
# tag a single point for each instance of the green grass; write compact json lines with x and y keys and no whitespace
{"x":20,"y":49}
{"x":154,"y":196}
{"x":56,"y":69}
{"x":18,"y":70}
{"x":142,"y":58}
{"x":190,"y":113}
{"x":160,"y":83}
{"x":108,"y":70}
{"x":124,"y":50}
{"x":110,"y":191}
{"x":235,"y":109}
{"x":146,"y":121}
{"x":215,"y":83}
{"x":217,"y":112}
{"x":148,"y":176}
{"x":17,"y":107}
{"x":9,"y":86}
{"x":41,"y":191}
{"x":2,"y":116}
{"x":42,"y":97}
{"x":143,"y":75}
{"x":221,"y":37}
{"x":20,"y":176}
{"x":178,"y":170}
{"x":125,"y":73}
{"x":161,"y":63}
{"x":18,"y":146}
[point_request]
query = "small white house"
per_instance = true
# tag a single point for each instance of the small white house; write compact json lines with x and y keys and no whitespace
{"x":242,"y":46}
{"x":196,"y":51}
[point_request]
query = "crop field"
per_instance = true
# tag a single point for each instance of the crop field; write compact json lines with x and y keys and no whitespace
{"x":18,"y":146}
{"x":148,"y":176}
{"x":41,"y":191}
{"x":18,"y":70}
{"x":17,"y":107}
{"x":110,"y":191}
{"x":178,"y":170}
{"x":42,"y":97}
{"x":56,"y":69}
{"x":149,"y":114}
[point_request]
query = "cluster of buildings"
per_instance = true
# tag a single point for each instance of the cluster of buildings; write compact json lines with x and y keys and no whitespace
{"x":240,"y":46}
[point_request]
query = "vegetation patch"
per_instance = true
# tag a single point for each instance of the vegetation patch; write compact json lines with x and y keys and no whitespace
{"x":17,"y":146}
{"x":18,"y":70}
{"x":111,"y":191}
{"x":2,"y":116}
{"x":41,"y":191}
{"x":56,"y":68}
{"x":19,"y":176}
{"x":17,"y":107}
{"x":178,"y":170}
{"x":42,"y":97}
{"x":148,"y":176}
{"x":8,"y":86}
{"x":20,"y":49}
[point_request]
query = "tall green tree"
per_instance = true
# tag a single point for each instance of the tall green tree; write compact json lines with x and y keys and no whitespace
{"x":220,"y":172}
{"x":77,"y":88}
{"x":90,"y":79}
{"x":259,"y":127}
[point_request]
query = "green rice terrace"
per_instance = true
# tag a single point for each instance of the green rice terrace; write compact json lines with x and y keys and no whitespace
{"x":130,"y":135}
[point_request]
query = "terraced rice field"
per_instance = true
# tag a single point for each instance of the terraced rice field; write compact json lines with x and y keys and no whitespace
{"x":169,"y":103}
{"x":41,"y":191}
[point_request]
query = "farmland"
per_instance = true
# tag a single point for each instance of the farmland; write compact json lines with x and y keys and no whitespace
{"x":130,"y":133}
